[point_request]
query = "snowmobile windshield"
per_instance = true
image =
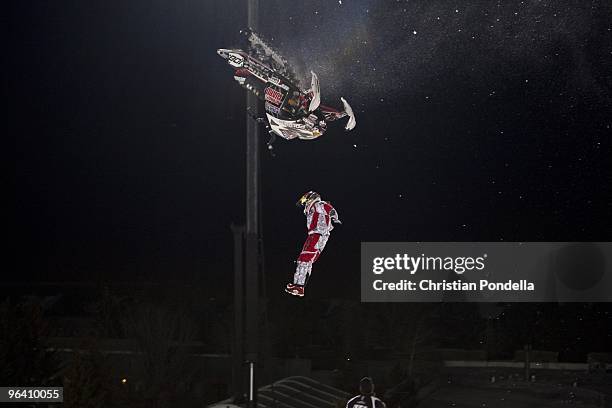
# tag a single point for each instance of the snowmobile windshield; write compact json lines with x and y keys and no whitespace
{"x":291,"y":108}
{"x":282,"y":104}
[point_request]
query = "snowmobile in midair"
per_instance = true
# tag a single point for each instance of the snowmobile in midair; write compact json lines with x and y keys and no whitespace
{"x":291,"y":112}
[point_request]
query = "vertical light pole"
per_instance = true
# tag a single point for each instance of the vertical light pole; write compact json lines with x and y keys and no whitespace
{"x":252,"y":228}
{"x":238,"y":344}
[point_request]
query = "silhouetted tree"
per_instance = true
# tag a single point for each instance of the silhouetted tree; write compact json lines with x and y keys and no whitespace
{"x":161,"y":334}
{"x":460,"y":325}
{"x":24,"y":357}
{"x":86,"y":379}
{"x":107,"y":311}
{"x":402,"y":327}
{"x":520,"y":324}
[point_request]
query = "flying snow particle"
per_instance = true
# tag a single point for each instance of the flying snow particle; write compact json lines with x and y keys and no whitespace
{"x":414,"y":32}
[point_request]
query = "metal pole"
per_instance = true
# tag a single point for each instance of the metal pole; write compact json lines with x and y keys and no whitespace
{"x":251,"y":384}
{"x":252,"y":227}
{"x":252,"y":142}
{"x":238,"y":344}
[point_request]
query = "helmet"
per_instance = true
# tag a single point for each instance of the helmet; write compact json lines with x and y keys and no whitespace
{"x":307,"y":198}
{"x":293,"y":101}
{"x":366,"y":386}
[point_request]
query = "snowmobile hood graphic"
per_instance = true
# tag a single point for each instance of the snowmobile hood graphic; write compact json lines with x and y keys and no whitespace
{"x":291,"y":112}
{"x":233,"y":58}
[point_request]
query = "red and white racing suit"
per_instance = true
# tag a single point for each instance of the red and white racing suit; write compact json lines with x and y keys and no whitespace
{"x":319,"y":218}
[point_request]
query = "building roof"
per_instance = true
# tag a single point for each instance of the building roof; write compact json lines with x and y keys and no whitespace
{"x":295,"y":392}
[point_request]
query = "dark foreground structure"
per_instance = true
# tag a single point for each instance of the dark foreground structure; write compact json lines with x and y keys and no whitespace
{"x":295,"y":392}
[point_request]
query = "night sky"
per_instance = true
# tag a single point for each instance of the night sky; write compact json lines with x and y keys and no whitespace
{"x":481,"y":122}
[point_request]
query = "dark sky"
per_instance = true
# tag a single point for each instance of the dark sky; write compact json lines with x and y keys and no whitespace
{"x":482,"y":122}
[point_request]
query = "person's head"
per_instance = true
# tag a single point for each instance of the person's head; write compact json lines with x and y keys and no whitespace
{"x":294,"y":98}
{"x":307,"y":199}
{"x":366,"y":386}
